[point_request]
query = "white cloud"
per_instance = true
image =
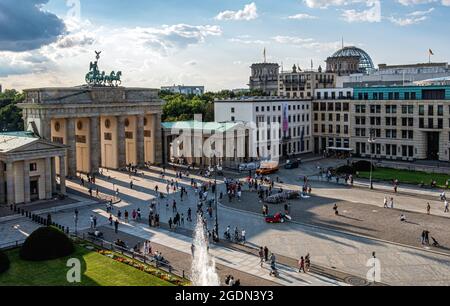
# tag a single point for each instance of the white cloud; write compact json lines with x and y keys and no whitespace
{"x":412,"y":18}
{"x":371,"y":14}
{"x":302,"y":16}
{"x":417,"y":2}
{"x":14,"y":63}
{"x":308,"y":43}
{"x":249,"y":12}
{"x":414,"y":2}
{"x":324,"y":4}
{"x":248,"y":41}
{"x":291,"y":40}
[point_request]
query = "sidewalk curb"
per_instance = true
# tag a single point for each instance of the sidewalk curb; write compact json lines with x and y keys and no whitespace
{"x":49,"y":210}
{"x":362,"y":185}
{"x":345,"y":233}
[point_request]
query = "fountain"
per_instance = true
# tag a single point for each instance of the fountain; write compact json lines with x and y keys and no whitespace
{"x":203,"y":265}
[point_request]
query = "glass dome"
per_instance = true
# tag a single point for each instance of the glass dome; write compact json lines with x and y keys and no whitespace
{"x":365,"y":62}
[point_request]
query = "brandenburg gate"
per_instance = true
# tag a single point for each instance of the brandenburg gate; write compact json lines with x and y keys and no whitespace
{"x":103,"y":126}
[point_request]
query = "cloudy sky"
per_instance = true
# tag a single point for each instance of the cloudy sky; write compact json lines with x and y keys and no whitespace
{"x":206,"y":42}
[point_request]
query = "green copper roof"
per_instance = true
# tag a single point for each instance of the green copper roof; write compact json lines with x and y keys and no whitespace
{"x":26,"y":134}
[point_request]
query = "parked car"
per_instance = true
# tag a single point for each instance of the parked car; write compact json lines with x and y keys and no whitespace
{"x":249,"y":166}
{"x":267,"y":168}
{"x":278,"y":218}
{"x":292,"y":164}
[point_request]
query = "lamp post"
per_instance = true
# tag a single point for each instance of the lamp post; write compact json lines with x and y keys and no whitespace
{"x":216,"y":168}
{"x":372,"y":142}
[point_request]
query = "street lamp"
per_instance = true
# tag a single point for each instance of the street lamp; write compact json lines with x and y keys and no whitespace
{"x":372,"y":142}
{"x":216,"y":168}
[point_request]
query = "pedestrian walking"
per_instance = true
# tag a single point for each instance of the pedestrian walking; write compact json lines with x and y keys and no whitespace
{"x":428,"y":208}
{"x":92,"y":221}
{"x":116,"y":226}
{"x":301,"y":265}
{"x":446,"y":207}
{"x":385,"y":202}
{"x":392,"y":203}
{"x":261,"y":255}
{"x":307,"y":263}
{"x":266,"y":254}
{"x":95,"y":221}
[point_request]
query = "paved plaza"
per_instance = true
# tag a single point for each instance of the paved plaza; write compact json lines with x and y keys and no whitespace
{"x":334,"y":248}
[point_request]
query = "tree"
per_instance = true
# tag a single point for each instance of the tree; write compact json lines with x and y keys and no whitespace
{"x":10,"y":114}
{"x":181,"y":107}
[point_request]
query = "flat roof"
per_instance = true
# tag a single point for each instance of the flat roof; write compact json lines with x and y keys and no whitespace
{"x":208,"y":126}
{"x":261,"y":99}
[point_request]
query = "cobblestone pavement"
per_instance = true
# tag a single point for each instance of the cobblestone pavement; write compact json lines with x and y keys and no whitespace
{"x":363,"y":219}
{"x":336,"y":250}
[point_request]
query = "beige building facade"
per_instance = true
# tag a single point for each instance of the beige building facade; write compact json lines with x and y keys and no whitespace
{"x":302,"y":84}
{"x":109,"y":127}
{"x":28,"y":168}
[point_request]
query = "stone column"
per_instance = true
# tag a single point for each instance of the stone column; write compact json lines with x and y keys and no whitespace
{"x":62,"y":175}
{"x":2,"y":183}
{"x":122,"y":161}
{"x":72,"y":150}
{"x":157,"y":138}
{"x":140,"y":148}
{"x":26,"y":181}
{"x":48,"y":178}
{"x":95,"y":144}
{"x":46,"y":129}
{"x":10,"y":182}
{"x":53,"y":166}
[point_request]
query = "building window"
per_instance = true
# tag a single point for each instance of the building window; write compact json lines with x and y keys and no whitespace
{"x":421,"y":110}
{"x":232,"y":110}
{"x":107,"y":123}
{"x":108,"y":136}
{"x":233,"y":118}
{"x":59,"y":140}
{"x":33,"y":167}
{"x":81,"y":139}
{"x":147,"y":133}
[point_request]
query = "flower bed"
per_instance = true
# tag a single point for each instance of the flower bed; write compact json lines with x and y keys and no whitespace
{"x":145,"y":268}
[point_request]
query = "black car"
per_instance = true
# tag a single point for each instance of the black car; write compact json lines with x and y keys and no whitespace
{"x":292,"y":164}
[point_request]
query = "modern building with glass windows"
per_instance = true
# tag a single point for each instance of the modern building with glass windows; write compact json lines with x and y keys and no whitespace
{"x":407,"y":122}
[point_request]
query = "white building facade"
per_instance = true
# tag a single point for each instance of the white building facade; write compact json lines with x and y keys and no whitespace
{"x":288,"y":118}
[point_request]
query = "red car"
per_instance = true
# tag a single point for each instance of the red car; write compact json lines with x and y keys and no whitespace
{"x":277,"y":218}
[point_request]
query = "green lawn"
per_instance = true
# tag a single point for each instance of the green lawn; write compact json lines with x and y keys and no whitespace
{"x":406,"y":176}
{"x":98,"y":270}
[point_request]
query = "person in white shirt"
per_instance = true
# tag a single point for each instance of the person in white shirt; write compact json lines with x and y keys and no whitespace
{"x":446,"y":206}
{"x":243,"y":235}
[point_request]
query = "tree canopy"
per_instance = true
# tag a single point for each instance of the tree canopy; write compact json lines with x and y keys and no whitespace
{"x":181,"y":107}
{"x":10,"y":114}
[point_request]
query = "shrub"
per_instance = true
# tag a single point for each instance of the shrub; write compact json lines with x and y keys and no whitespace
{"x":46,"y":243}
{"x":362,"y":166}
{"x":4,"y":262}
{"x":345,"y":170}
